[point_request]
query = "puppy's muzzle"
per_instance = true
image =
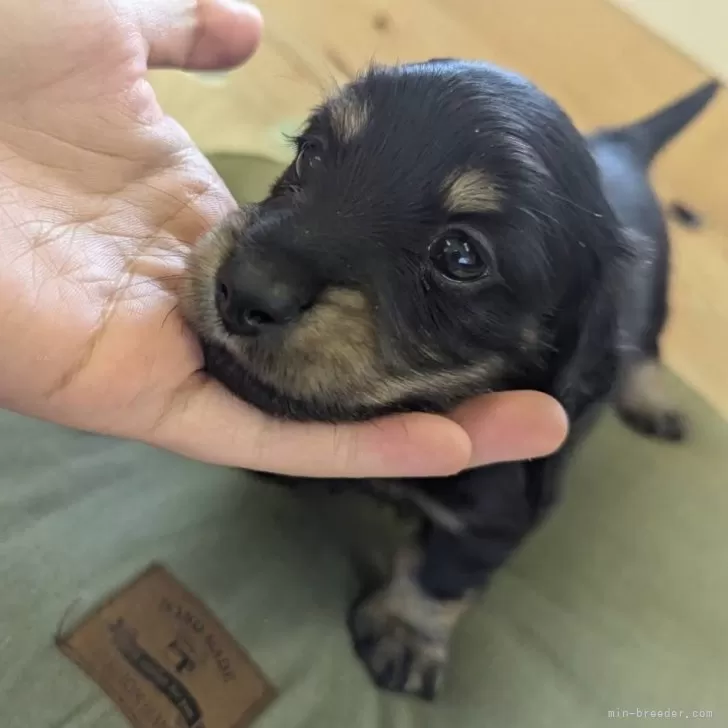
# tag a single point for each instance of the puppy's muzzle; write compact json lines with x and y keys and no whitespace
{"x":259,"y":289}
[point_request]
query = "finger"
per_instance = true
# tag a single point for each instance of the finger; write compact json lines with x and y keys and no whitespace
{"x":207,"y":423}
{"x":509,"y":426}
{"x":200,"y":35}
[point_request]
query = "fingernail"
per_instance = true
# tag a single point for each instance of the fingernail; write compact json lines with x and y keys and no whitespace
{"x":211,"y":78}
{"x":238,"y":6}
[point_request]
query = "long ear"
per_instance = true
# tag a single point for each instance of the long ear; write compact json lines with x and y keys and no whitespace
{"x":590,"y":372}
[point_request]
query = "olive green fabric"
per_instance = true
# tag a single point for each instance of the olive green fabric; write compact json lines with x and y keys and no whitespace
{"x":618,"y":603}
{"x":248,"y":177}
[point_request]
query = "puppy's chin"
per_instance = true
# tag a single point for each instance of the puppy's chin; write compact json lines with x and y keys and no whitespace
{"x":434,"y":393}
{"x":223,"y":366}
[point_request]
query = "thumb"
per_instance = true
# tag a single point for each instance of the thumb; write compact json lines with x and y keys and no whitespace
{"x":200,"y":35}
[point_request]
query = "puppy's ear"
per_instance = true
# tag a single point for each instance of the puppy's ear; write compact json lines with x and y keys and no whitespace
{"x":582,"y":378}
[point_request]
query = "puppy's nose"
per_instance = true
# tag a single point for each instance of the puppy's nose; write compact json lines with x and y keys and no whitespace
{"x":249,"y":301}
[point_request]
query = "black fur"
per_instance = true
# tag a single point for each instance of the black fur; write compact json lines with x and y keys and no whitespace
{"x":581,"y":251}
{"x":624,"y":155}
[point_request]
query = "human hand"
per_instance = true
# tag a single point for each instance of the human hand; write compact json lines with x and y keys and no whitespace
{"x":101,"y":197}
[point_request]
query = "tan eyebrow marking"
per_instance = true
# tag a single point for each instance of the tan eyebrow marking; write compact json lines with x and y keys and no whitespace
{"x":471,"y":191}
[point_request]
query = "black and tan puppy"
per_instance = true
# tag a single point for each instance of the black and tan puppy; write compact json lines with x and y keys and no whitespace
{"x":445,"y":231}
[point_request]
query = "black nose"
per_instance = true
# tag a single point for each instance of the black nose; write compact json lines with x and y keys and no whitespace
{"x":249,"y":299}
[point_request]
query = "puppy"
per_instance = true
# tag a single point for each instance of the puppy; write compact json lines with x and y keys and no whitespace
{"x":445,"y":231}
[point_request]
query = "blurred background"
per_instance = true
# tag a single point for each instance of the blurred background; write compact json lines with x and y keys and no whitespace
{"x":605,"y":61}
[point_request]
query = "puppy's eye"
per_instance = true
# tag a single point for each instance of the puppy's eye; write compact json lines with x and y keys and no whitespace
{"x":309,"y":157}
{"x":460,"y":257}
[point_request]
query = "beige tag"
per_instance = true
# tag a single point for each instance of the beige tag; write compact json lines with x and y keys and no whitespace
{"x":165,"y":660}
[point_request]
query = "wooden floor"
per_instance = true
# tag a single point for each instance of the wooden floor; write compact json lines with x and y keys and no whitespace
{"x":588,"y":54}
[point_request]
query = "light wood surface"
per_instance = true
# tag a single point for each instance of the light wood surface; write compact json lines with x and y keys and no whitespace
{"x":698,"y":27}
{"x":596,"y":60}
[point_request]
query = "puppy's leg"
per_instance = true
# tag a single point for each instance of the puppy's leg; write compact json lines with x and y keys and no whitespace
{"x":402,"y":631}
{"x":642,"y":401}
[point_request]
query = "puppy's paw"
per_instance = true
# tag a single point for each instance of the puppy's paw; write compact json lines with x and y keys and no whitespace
{"x":663,"y":423}
{"x":402,"y":634}
{"x":398,"y":656}
{"x":645,"y":406}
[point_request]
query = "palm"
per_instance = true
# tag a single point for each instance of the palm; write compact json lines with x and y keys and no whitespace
{"x":117,"y":207}
{"x":101,"y":194}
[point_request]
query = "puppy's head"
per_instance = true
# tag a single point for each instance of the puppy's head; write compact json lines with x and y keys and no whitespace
{"x":436,"y":236}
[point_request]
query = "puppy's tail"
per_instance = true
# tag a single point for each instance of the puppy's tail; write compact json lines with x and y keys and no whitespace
{"x":647,"y":136}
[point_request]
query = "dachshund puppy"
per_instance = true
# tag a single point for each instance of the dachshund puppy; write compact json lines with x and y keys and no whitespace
{"x":445,"y":231}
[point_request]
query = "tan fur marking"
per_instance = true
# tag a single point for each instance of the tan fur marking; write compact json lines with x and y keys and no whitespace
{"x":642,"y":388}
{"x":331,"y":352}
{"x":197,"y":291}
{"x":334,"y":353}
{"x":349,"y":115}
{"x":403,"y":621}
{"x":393,"y":389}
{"x":644,"y":404}
{"x":471,"y":191}
{"x":404,"y":599}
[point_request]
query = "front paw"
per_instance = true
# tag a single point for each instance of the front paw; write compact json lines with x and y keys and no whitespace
{"x":402,"y":634}
{"x":398,"y":656}
{"x":645,"y":406}
{"x":664,"y":424}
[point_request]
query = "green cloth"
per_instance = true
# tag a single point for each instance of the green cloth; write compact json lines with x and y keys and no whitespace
{"x":618,"y":603}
